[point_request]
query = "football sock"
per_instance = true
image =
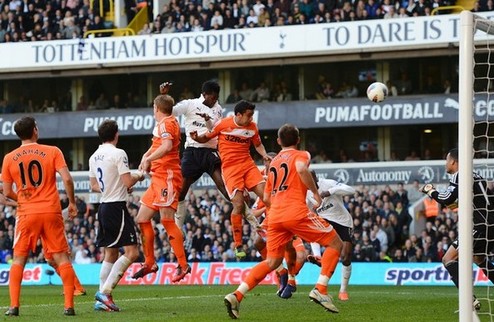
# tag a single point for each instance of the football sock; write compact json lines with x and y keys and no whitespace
{"x":105,"y":270}
{"x":346,"y":271}
{"x":291,"y":280}
{"x":488,"y":269}
{"x":316,"y":249}
{"x":236,"y":220}
{"x":264,"y":253}
{"x":67,"y":275}
{"x":116,"y":274}
{"x":147,"y":237}
{"x":249,"y":216}
{"x":77,"y":283}
{"x":297,"y":267}
{"x":329,"y":260}
{"x":238,"y":294}
{"x":322,"y":284}
{"x":452,"y":268}
{"x":257,"y":274}
{"x":180,"y":214}
{"x":176,"y":240}
{"x":16,"y":272}
{"x":290,"y":258}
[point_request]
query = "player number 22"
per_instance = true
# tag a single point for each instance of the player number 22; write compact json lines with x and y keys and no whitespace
{"x":282,"y":186}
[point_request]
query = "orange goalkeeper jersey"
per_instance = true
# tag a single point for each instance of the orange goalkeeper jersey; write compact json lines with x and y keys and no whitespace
{"x":234,"y":141}
{"x":286,"y":188}
{"x":32,"y":169}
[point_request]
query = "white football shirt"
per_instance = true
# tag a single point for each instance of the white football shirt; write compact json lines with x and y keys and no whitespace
{"x":332,"y":207}
{"x":106,"y":165}
{"x":194,"y":122}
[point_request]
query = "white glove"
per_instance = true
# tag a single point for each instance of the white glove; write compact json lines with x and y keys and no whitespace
{"x":428,"y":189}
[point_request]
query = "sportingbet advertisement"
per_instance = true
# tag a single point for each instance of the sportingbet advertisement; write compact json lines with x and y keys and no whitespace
{"x":431,"y":274}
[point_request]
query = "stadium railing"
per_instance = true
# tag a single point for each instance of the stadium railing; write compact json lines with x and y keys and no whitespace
{"x":108,"y":15}
{"x":451,"y":9}
{"x":139,"y":20}
{"x":116,"y":32}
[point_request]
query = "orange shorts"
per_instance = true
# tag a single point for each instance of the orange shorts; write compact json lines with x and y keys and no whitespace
{"x":48,"y":254}
{"x":311,"y":228}
{"x":241,"y":177}
{"x":163,"y":191}
{"x":49,"y":227}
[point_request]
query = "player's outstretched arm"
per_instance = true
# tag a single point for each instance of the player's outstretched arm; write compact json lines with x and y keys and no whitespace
{"x":262,"y":151}
{"x":130,"y":179}
{"x":341,"y":189}
{"x":165,"y":87}
{"x":199,"y":138}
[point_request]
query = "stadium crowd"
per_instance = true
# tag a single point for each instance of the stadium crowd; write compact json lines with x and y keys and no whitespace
{"x":27,"y":20}
{"x":381,"y":232}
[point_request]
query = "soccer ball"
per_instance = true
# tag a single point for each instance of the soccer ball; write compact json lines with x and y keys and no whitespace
{"x":377,"y":92}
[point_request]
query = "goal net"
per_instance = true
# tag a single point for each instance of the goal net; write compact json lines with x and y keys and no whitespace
{"x":476,"y":148}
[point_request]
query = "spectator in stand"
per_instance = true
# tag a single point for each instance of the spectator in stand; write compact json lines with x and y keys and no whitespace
{"x":97,"y":24}
{"x":321,"y":157}
{"x":196,"y":26}
{"x":261,"y":93}
{"x":102,"y":102}
{"x":229,"y":20}
{"x":414,"y":193}
{"x":117,"y":102}
{"x":252,"y":18}
{"x":145,"y":30}
{"x":263,"y":17}
{"x":169,"y":27}
{"x":234,"y":97}
{"x":245,"y":91}
{"x":217,"y":19}
{"x":413,"y":156}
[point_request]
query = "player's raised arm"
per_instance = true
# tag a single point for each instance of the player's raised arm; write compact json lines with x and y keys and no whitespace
{"x":165,"y":87}
{"x":341,"y":189}
{"x":306,"y":177}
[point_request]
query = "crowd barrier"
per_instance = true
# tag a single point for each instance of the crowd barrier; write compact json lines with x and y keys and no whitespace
{"x":220,"y":273}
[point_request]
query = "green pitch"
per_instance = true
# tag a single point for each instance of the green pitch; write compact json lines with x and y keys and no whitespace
{"x":205,"y":303}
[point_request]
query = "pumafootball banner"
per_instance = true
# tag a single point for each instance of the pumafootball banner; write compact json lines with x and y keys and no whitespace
{"x":313,"y":114}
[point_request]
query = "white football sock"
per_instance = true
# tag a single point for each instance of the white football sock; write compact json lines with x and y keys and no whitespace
{"x":116,"y":274}
{"x":103,"y":273}
{"x":316,"y":249}
{"x":346,"y":272}
{"x":249,"y":216}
